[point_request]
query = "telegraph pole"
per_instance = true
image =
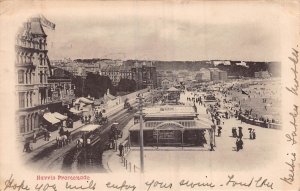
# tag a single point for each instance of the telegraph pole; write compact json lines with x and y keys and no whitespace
{"x":140,"y":98}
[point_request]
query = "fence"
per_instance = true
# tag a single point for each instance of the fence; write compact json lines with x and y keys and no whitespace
{"x":260,"y":123}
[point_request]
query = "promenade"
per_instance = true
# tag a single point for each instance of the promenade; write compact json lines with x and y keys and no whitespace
{"x":225,"y":157}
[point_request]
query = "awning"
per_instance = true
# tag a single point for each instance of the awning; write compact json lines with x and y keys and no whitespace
{"x":90,"y":128}
{"x":84,"y":100}
{"x":51,"y":118}
{"x":60,"y":116}
{"x":73,"y":110}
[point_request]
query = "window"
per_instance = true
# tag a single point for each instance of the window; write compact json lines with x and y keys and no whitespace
{"x":21,"y":77}
{"x":21,"y":99}
{"x":41,"y":60}
{"x":30,"y":99}
{"x":22,"y":124}
{"x":40,"y":43}
{"x":41,"y":77}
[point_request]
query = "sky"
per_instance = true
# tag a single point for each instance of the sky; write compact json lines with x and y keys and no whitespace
{"x":167,"y":31}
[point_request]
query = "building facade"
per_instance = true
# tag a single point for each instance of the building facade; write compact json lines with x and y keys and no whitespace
{"x":32,"y":71}
{"x":61,"y":87}
{"x":214,"y":74}
{"x":116,"y":73}
{"x":205,"y":74}
{"x":223,"y":75}
{"x":144,"y":75}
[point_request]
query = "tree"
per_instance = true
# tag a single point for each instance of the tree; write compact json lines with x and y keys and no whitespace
{"x":94,"y":85}
{"x":126,"y":85}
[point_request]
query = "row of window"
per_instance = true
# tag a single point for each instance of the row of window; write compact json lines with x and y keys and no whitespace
{"x":36,"y":44}
{"x":27,"y":124}
{"x":27,"y":59}
{"x":26,"y":77}
{"x":25,"y":99}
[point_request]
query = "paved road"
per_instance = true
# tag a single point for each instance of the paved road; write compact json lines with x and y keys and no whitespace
{"x":90,"y":159}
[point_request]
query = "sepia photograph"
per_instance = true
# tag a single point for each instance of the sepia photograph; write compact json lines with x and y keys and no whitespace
{"x":162,"y":88}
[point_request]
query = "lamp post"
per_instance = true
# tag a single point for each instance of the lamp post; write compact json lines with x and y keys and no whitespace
{"x":140,"y":99}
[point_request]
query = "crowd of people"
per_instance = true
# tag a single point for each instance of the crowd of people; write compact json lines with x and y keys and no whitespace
{"x":218,"y":111}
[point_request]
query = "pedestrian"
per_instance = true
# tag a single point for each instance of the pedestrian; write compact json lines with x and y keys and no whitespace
{"x":85,"y":119}
{"x":61,"y":131}
{"x":237,"y":144}
{"x":121,"y":147}
{"x":27,"y":147}
{"x":240,"y":132}
{"x":45,"y":135}
{"x":90,"y":118}
{"x":250,"y":133}
{"x":219,"y":131}
{"x":241,"y":143}
{"x":34,"y":136}
{"x":253,"y":134}
{"x":48,"y":136}
{"x":234,"y":133}
{"x":212,"y":147}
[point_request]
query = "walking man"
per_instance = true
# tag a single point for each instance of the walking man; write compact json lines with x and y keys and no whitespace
{"x":121,"y":147}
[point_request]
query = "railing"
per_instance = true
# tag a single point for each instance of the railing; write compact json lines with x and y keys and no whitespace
{"x":260,"y":123}
{"x":131,"y":167}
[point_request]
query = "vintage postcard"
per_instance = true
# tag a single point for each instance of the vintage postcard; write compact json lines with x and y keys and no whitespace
{"x":149,"y":95}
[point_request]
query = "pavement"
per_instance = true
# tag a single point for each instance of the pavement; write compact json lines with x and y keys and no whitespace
{"x":255,"y":154}
{"x":111,"y":159}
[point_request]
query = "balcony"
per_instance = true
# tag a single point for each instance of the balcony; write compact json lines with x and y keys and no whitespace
{"x":26,"y":64}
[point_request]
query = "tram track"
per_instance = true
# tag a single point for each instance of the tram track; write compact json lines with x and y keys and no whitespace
{"x":89,"y":159}
{"x":48,"y":157}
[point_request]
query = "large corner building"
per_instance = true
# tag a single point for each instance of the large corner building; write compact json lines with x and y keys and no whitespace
{"x":32,"y":71}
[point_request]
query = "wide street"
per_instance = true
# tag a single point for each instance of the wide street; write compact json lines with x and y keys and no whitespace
{"x":68,"y":158}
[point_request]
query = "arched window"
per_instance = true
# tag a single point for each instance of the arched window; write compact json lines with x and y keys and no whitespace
{"x":41,"y":59}
{"x":30,"y":98}
{"x":40,"y":43}
{"x":22,"y":124}
{"x":21,"y":76}
{"x":45,"y":77}
{"x":21,"y":100}
{"x":41,"y":77}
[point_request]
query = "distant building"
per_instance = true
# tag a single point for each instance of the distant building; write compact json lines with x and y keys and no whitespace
{"x":61,"y":87}
{"x":262,"y":74}
{"x":110,"y":100}
{"x":116,"y":73}
{"x":205,"y":74}
{"x":223,"y":75}
{"x":80,"y":71}
{"x":167,"y":83}
{"x":214,"y":74}
{"x":199,"y":77}
{"x":144,"y":75}
{"x":224,"y":62}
